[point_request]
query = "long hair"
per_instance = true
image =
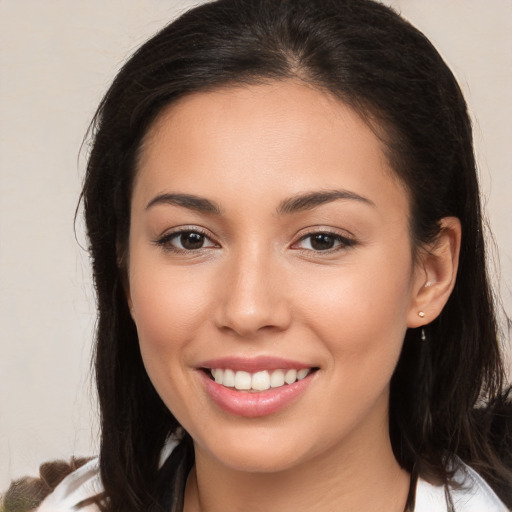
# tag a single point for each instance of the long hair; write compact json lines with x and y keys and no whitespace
{"x":385,"y":69}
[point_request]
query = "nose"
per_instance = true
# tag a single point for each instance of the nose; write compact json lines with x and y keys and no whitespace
{"x":252,"y":296}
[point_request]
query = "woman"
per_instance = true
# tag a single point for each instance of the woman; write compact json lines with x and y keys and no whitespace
{"x":284,"y":220}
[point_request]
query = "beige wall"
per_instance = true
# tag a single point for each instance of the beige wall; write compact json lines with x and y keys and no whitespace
{"x":56,"y":59}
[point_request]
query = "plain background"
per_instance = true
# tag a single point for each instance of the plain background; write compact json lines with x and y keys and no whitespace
{"x":57,"y":58}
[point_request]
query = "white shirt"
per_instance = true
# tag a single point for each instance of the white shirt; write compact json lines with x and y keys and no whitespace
{"x":474,"y":496}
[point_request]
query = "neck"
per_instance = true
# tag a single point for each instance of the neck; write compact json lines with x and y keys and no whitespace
{"x":361,"y":474}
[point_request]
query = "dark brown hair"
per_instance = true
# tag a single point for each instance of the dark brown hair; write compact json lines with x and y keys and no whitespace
{"x":376,"y":62}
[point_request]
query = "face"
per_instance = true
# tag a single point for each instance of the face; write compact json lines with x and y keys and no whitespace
{"x":269,"y":247}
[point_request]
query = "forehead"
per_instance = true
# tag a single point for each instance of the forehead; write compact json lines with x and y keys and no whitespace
{"x":263,"y":140}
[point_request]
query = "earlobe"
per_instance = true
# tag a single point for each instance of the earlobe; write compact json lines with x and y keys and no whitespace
{"x":436,"y":273}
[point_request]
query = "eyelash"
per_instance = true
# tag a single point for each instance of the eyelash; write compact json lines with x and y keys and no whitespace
{"x":166,"y":241}
{"x":343,"y":242}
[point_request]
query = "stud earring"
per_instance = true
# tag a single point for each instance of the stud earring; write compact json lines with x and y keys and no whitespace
{"x":421,"y":314}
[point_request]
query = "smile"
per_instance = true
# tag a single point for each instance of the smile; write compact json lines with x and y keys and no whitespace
{"x":258,"y":381}
{"x":255,"y":387}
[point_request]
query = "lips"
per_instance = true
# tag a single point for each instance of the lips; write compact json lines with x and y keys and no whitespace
{"x":257,"y":386}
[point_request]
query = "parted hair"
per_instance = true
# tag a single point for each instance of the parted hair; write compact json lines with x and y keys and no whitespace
{"x":376,"y":62}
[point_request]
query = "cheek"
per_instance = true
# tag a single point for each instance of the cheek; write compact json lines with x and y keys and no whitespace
{"x":361,"y":319}
{"x":360,"y":311}
{"x":170,"y":310}
{"x":360,"y":299}
{"x":169,"y":305}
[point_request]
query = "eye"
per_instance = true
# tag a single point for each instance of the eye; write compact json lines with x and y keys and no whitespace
{"x":324,"y":241}
{"x":185,"y":240}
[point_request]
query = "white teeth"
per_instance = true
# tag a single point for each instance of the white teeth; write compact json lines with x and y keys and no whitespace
{"x":277,"y":379}
{"x":229,"y":378}
{"x":301,"y":374}
{"x":259,"y":381}
{"x":290,"y":376}
{"x":243,"y":380}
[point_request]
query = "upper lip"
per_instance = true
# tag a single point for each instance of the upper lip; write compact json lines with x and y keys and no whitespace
{"x":254,"y":364}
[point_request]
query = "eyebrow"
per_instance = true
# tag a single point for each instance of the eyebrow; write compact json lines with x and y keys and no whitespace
{"x":293,"y":204}
{"x":189,"y":201}
{"x":311,"y":200}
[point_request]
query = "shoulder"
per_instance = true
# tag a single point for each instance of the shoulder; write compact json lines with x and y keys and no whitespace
{"x":76,"y":488}
{"x":472,"y":495}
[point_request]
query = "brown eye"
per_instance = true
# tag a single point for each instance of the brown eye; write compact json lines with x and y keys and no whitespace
{"x":191,"y":240}
{"x":185,"y":240}
{"x":322,"y":241}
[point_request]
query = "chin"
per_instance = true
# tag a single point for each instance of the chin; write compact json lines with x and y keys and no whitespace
{"x":261,"y":450}
{"x":255,"y":460}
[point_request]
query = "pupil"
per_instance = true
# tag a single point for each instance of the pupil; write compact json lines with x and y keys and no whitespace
{"x":192,"y":240}
{"x":322,"y":242}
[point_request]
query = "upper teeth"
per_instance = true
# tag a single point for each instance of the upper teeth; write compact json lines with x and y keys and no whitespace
{"x":259,"y":381}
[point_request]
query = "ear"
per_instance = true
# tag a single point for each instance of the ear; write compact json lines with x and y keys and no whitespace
{"x":436,"y":270}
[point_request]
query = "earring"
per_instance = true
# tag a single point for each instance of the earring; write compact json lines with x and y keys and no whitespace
{"x":421,"y":314}
{"x":423,"y":336}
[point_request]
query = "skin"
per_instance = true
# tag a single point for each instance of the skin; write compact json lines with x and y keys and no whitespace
{"x":257,"y":287}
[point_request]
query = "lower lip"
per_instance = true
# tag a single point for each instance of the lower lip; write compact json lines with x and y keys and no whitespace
{"x":254,"y":404}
